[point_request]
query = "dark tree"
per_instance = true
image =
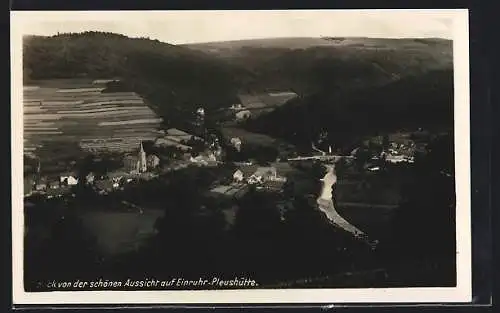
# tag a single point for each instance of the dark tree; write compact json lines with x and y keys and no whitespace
{"x":424,"y":226}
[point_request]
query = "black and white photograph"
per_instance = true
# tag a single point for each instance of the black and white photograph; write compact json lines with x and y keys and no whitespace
{"x":240,"y":156}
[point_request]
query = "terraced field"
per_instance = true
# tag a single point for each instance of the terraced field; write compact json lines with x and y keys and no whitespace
{"x":57,"y":112}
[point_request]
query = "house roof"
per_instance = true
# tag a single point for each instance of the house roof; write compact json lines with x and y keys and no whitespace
{"x":248,"y":170}
{"x":238,"y":171}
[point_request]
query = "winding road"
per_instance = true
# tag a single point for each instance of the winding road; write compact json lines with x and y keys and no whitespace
{"x":325,"y":204}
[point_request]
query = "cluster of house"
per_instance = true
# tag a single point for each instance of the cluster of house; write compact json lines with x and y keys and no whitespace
{"x":388,"y":157}
{"x":139,"y":165}
{"x":207,"y":158}
{"x":112,"y":181}
{"x":53,"y":185}
{"x":400,"y":151}
{"x":400,"y":148}
{"x":142,"y":163}
{"x":397,"y":158}
{"x":259,"y":176}
{"x":134,"y":165}
{"x":263,"y":178}
{"x":240,"y":112}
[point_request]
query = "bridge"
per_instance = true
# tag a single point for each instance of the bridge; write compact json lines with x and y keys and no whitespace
{"x":323,"y":156}
{"x":333,"y":158}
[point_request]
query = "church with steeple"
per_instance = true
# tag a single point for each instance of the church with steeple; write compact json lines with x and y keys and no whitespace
{"x":141,"y":160}
{"x":137,"y":163}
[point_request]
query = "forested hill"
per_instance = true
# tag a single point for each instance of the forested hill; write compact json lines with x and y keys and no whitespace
{"x":412,"y":102}
{"x":168,"y":76}
{"x":311,"y":65}
{"x":180,"y":78}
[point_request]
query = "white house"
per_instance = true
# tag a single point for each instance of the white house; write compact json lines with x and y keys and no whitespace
{"x":90,"y":178}
{"x":238,"y":176}
{"x":211,"y":157}
{"x":236,"y":143}
{"x":237,"y":106}
{"x":41,"y":186}
{"x":243,"y":115}
{"x":396,"y":158}
{"x":69,"y":180}
{"x":263,"y":174}
{"x":255,"y":180}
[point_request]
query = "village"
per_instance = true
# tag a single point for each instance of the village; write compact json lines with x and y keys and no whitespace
{"x":176,"y":149}
{"x":221,"y":173}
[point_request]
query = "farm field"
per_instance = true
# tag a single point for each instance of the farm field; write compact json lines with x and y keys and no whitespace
{"x":230,"y":130}
{"x":57,"y":112}
{"x":265,"y":100}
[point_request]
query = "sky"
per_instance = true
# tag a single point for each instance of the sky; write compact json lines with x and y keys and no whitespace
{"x":181,"y":27}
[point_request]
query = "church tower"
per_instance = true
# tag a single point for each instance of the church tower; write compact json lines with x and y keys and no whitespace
{"x":38,"y":168}
{"x":141,"y":160}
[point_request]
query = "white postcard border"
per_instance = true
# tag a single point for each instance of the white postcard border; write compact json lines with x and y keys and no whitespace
{"x":461,"y":293}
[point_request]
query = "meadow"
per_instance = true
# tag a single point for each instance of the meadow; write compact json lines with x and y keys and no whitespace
{"x":61,"y":111}
{"x":265,"y":100}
